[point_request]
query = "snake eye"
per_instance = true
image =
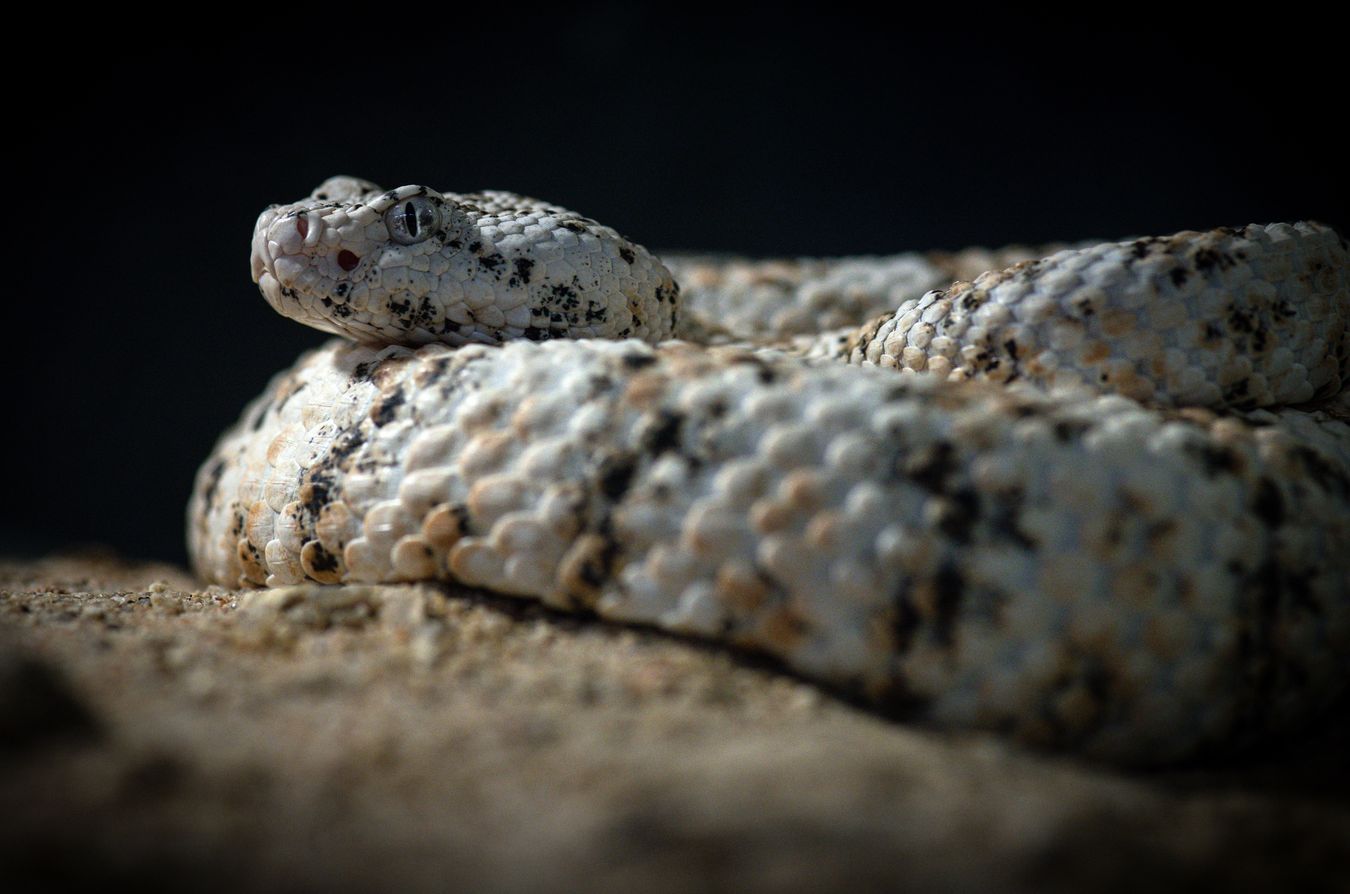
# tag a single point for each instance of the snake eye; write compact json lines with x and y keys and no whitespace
{"x":413,"y":220}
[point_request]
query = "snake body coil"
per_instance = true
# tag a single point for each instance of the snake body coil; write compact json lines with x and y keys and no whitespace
{"x":1112,"y":514}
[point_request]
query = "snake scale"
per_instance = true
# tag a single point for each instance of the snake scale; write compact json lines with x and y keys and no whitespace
{"x":1095,"y":501}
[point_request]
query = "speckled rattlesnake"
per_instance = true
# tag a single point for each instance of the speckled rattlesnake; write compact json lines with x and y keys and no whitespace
{"x":1127,"y":531}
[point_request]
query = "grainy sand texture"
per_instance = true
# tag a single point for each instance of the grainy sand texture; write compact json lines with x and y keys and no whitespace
{"x":425,"y":738}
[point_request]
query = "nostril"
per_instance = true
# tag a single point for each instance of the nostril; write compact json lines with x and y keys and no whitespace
{"x":302,"y":225}
{"x":347,"y":261}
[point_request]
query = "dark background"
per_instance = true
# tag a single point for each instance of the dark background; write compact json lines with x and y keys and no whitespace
{"x":138,"y":337}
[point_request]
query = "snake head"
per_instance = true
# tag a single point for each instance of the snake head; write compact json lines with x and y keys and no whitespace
{"x":412,"y":265}
{"x":353,"y":259}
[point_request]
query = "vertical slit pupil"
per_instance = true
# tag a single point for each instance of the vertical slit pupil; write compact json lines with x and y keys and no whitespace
{"x":410,"y":219}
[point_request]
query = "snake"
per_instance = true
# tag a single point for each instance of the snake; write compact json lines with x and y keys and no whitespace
{"x":1094,"y":499}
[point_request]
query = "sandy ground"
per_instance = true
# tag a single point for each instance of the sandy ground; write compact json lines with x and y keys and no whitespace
{"x":164,"y":735}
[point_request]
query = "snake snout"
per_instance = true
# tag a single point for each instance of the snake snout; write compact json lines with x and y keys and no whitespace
{"x":270,"y":266}
{"x":257,"y":261}
{"x":280,"y":240}
{"x":260,"y":261}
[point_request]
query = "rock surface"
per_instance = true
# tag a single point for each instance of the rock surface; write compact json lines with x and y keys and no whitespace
{"x":355,"y":738}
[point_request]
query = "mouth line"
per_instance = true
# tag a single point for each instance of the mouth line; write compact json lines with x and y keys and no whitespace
{"x":271,"y":290}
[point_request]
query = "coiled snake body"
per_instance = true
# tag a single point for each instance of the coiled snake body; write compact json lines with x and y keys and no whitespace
{"x":1098,"y":501}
